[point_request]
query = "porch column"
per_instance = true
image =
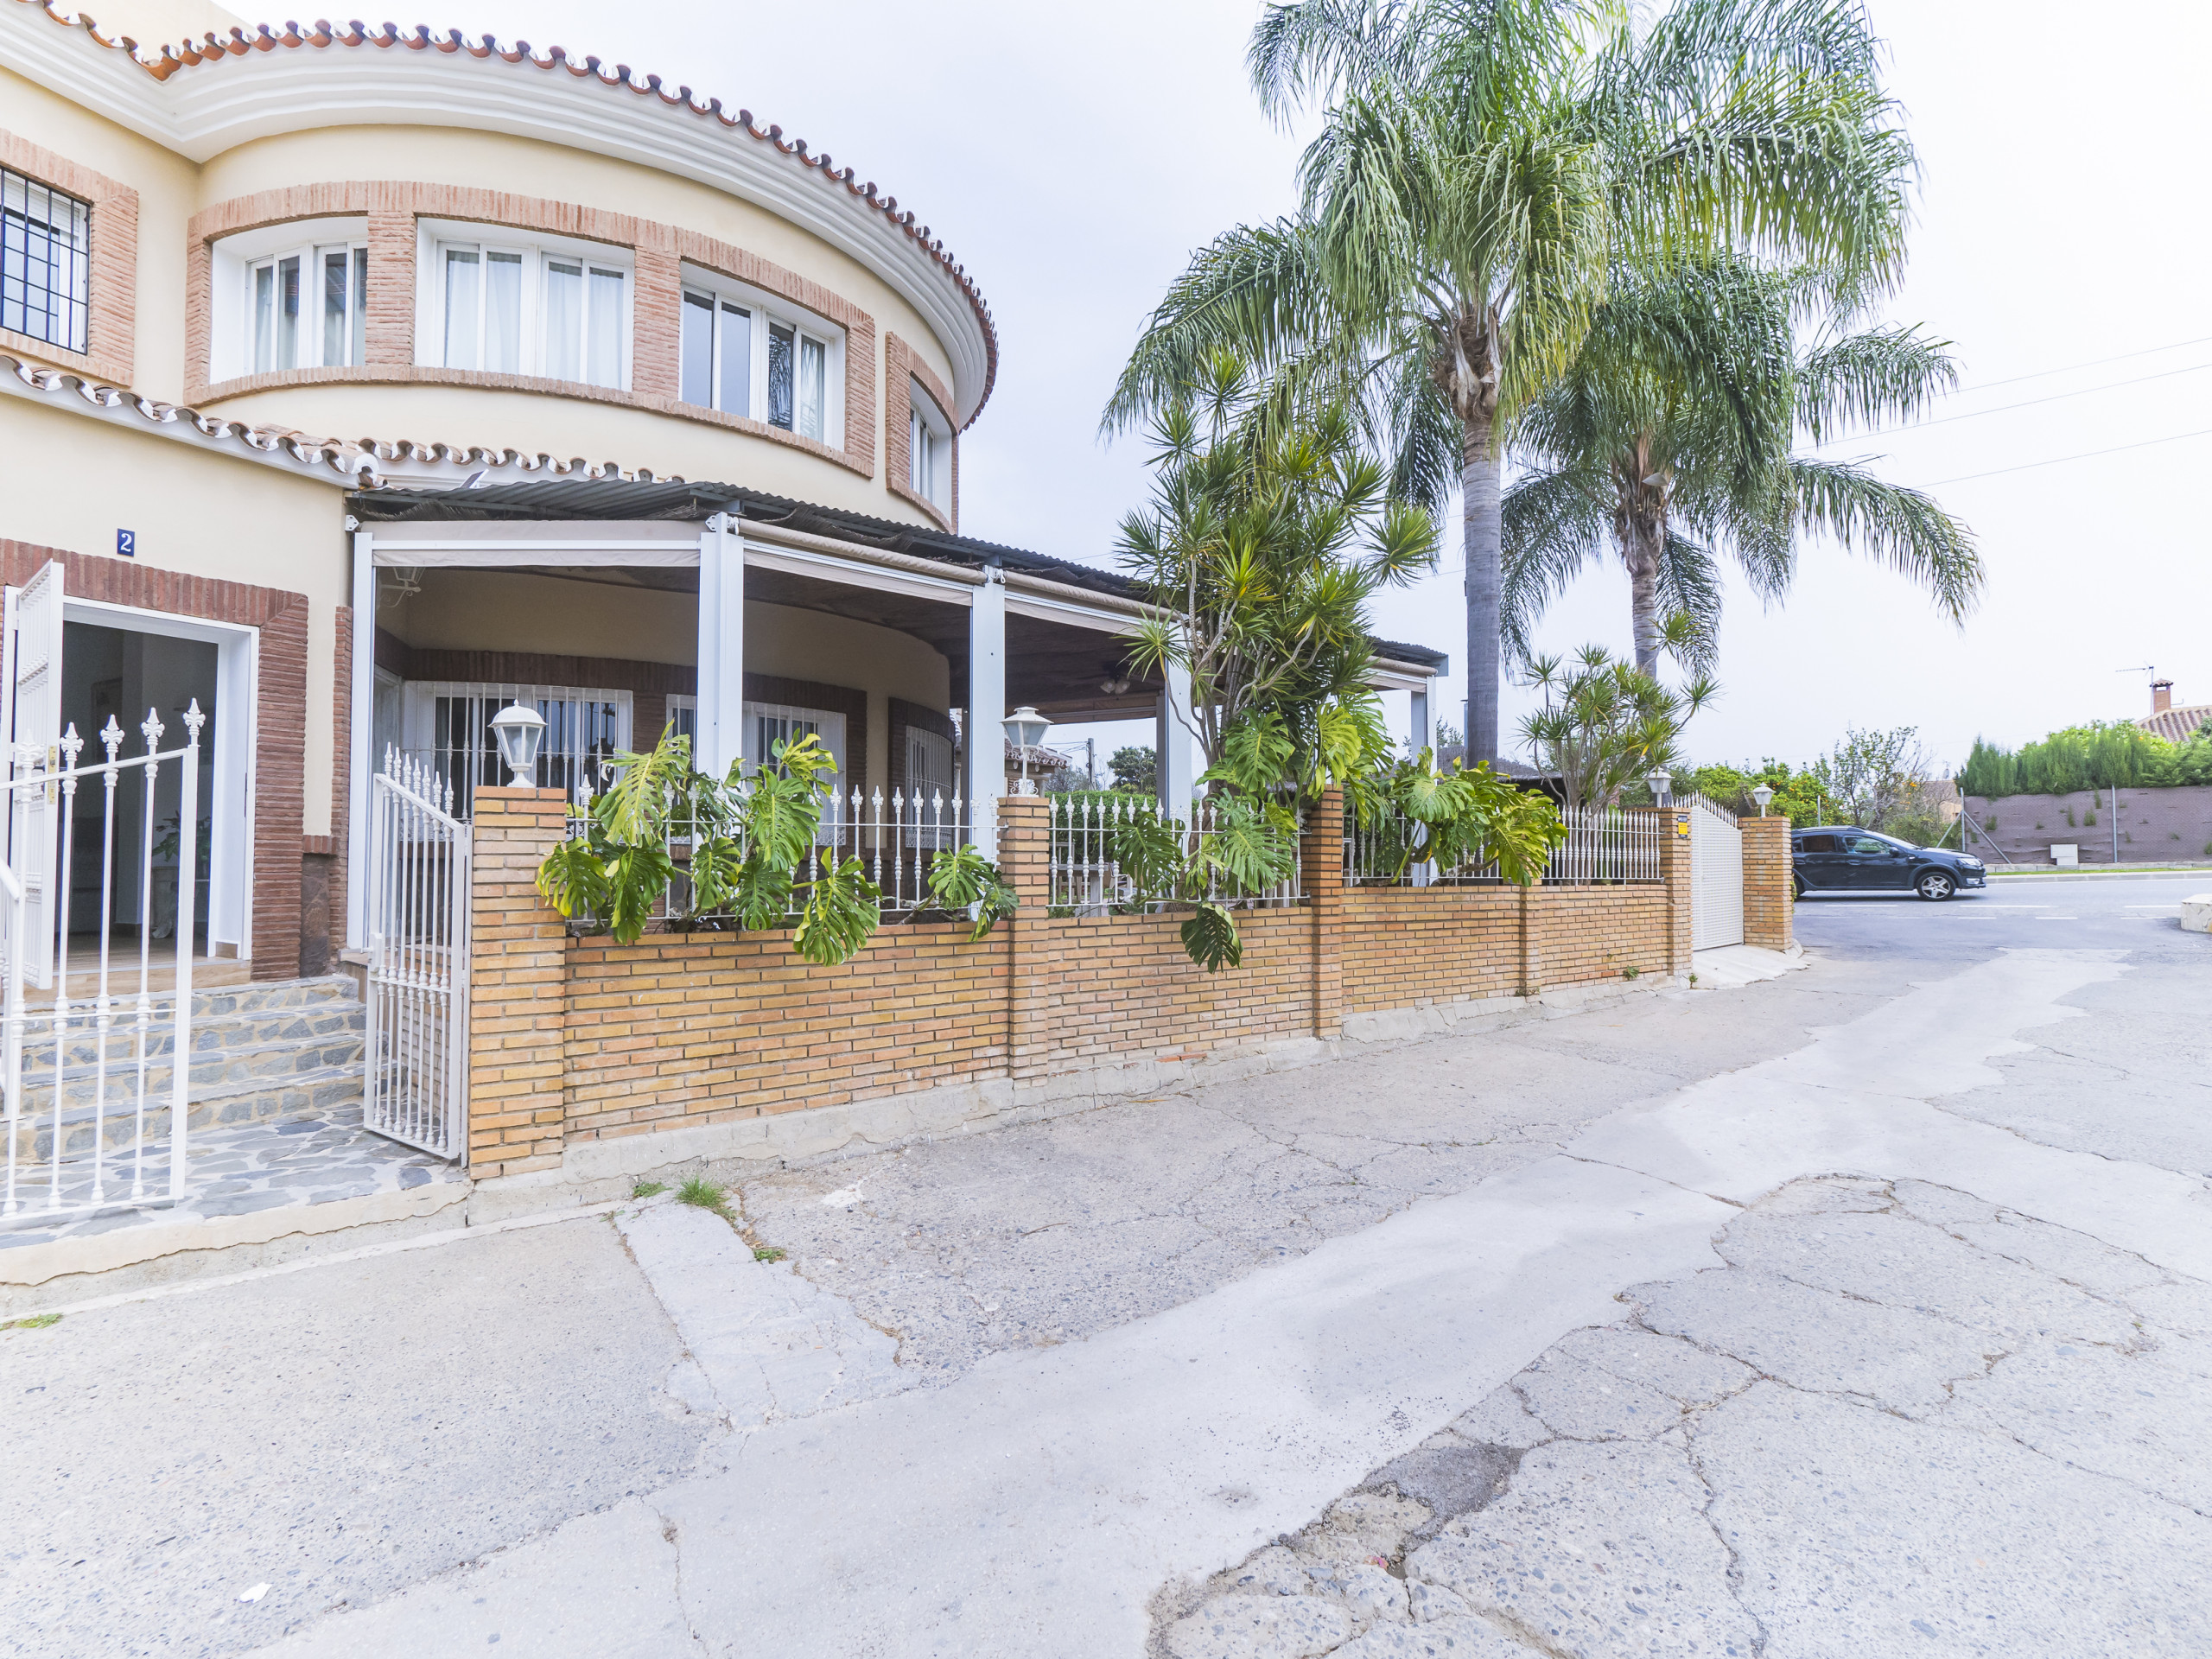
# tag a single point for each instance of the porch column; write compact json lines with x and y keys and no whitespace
{"x":1424,"y":734}
{"x":1177,"y":784}
{"x":985,"y":709}
{"x":721,"y":646}
{"x":361,"y":763}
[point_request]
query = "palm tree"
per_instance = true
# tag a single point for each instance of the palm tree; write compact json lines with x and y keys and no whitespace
{"x":1481,"y":165}
{"x":1669,"y":438}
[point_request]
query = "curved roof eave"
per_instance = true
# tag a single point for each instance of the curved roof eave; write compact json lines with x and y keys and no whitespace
{"x":395,"y":77}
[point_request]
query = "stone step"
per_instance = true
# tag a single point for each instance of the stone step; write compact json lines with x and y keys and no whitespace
{"x":210,"y":1069}
{"x":256,"y":996}
{"x":315,"y":1021}
{"x":304,"y":1094}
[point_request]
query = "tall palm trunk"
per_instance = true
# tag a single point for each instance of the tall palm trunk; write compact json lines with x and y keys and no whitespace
{"x":1483,"y":539}
{"x":1640,"y":521}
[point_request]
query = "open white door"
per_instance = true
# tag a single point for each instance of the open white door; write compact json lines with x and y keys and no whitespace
{"x":30,"y":717}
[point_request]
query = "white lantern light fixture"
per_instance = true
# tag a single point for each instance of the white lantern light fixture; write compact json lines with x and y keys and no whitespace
{"x":1663,"y":785}
{"x":520,"y":731}
{"x":1024,"y":730}
{"x":1763,"y":795}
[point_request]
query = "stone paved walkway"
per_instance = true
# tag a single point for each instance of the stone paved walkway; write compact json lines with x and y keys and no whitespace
{"x":1978,"y":1433}
{"x":235,"y":1172}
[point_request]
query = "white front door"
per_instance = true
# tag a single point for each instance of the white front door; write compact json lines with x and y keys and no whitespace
{"x":31,"y":686}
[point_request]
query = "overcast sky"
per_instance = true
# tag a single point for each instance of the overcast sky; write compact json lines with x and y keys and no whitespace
{"x":1072,"y":157}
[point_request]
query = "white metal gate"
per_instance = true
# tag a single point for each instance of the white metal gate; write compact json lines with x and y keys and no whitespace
{"x":417,"y":1084}
{"x":98,"y":1082}
{"x":1716,"y":875}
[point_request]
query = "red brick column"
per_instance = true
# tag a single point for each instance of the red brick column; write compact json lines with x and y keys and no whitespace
{"x":1321,"y":874}
{"x":1770,"y":895}
{"x":1025,"y":860}
{"x":518,"y":990}
{"x":1674,"y":869}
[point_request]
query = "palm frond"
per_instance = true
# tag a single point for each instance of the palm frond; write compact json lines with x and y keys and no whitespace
{"x":1904,"y":528}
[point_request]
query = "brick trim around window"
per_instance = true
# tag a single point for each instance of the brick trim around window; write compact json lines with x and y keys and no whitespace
{"x":112,"y":282}
{"x":393,"y":208}
{"x":280,"y":698}
{"x":900,"y":365}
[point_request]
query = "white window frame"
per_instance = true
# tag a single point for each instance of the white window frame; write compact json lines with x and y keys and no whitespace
{"x":232,"y":264}
{"x":418,"y":734}
{"x":828,"y":725}
{"x":768,"y":311}
{"x":929,"y":448}
{"x":434,"y":239}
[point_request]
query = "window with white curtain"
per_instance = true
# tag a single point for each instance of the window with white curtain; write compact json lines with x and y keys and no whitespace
{"x":308,"y":308}
{"x":519,"y":307}
{"x":928,"y":453}
{"x":747,"y":353}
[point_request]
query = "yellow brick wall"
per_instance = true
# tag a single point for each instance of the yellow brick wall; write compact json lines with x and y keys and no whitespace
{"x":576,"y":1040}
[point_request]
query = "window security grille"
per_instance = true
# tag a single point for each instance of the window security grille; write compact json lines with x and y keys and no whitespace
{"x":46,"y":255}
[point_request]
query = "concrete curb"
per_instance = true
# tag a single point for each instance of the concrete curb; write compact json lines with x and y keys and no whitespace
{"x":594,"y":1172}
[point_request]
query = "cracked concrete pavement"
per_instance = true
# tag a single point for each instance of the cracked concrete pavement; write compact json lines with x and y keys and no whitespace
{"x":1868,"y":1306}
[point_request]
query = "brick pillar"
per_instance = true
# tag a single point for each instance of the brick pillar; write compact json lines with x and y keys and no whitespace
{"x":518,"y":991}
{"x":1674,"y":869}
{"x":1321,"y":872}
{"x":1532,"y":939}
{"x":1025,"y":860}
{"x":1770,"y":895}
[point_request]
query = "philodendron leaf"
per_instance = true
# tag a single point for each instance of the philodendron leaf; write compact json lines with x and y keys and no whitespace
{"x":843,"y":910}
{"x":1210,"y":939}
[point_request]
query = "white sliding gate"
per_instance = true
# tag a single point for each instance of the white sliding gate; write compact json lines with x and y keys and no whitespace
{"x":1716,"y":875}
{"x":417,"y":1084}
{"x":97,"y":1082}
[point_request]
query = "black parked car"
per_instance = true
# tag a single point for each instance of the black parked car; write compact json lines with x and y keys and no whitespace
{"x":1830,"y":859}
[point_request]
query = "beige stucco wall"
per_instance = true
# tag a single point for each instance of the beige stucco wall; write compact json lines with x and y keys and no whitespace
{"x":168,"y":186}
{"x":512,"y":611}
{"x":489,"y":160}
{"x":74,"y":481}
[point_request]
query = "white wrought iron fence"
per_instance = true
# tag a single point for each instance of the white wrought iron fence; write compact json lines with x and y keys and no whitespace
{"x":1604,"y":845}
{"x":896,"y":836}
{"x":98,"y":1083}
{"x":1086,"y":875}
{"x":416,"y":1088}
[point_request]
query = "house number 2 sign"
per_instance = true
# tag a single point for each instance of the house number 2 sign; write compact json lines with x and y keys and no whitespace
{"x":126,"y":544}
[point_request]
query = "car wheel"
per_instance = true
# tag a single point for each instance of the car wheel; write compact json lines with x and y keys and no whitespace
{"x":1935,"y":885}
{"x":1798,"y":881}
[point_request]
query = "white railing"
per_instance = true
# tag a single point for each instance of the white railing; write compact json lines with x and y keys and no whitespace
{"x":416,"y":1086}
{"x":1691,"y":798}
{"x":97,"y":1087}
{"x":896,"y":837}
{"x":1604,"y":846}
{"x":1085,"y":874}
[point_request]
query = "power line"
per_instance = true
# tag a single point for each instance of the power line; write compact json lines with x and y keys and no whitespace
{"x":2026,"y":403}
{"x":2094,"y":362}
{"x":2086,"y":454}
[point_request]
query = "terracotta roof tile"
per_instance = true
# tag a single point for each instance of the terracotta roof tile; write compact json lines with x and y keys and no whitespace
{"x":360,"y":459}
{"x":213,"y":49}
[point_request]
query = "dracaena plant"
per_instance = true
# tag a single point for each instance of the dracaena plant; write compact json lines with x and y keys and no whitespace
{"x":1605,"y":725}
{"x":747,"y":837}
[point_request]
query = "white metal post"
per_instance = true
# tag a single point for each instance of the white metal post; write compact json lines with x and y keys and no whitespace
{"x":721,"y":647}
{"x":361,"y":762}
{"x":187,"y":890}
{"x":1177,"y":783}
{"x":985,"y":709}
{"x":1424,"y":734}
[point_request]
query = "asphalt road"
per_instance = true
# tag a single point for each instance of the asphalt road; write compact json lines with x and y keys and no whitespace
{"x":1860,"y":1310}
{"x":2137,"y":915}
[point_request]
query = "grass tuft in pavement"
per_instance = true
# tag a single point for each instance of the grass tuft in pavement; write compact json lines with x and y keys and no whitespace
{"x":31,"y":1322}
{"x":646,"y":1189}
{"x":703,"y":1192}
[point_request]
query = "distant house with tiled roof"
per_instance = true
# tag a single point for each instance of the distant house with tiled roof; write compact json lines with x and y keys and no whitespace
{"x":2164,"y":720}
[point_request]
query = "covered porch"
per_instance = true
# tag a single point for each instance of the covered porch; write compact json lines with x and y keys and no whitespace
{"x":620,"y":609}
